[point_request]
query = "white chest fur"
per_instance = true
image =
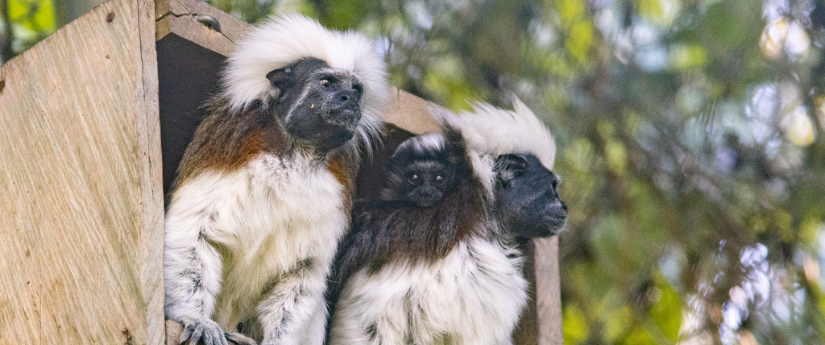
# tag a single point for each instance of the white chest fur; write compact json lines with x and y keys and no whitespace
{"x":473,"y":296}
{"x":264,"y":219}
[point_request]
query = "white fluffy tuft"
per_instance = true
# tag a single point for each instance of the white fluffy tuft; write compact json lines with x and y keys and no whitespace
{"x":473,"y":296}
{"x":428,"y":142}
{"x":288,"y":38}
{"x":498,"y":131}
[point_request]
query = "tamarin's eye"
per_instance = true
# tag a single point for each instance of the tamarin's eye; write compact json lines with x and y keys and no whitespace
{"x":326,"y":82}
{"x":439,"y":180}
{"x":555,"y":182}
{"x":358,"y":88}
{"x":414,"y":179}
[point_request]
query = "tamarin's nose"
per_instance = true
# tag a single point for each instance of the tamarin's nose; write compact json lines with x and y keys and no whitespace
{"x":346,"y":98}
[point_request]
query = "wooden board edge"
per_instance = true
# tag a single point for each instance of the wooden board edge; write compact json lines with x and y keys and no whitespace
{"x":200,"y":23}
{"x":548,"y":291}
{"x":147,"y":127}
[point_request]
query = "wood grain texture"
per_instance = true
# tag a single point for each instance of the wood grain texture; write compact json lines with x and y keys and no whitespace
{"x":147,"y":134}
{"x":173,"y":331}
{"x":181,"y":18}
{"x":80,"y":220}
{"x":540,"y":322}
{"x":410,"y":113}
{"x":234,"y":27}
{"x":548,"y":292}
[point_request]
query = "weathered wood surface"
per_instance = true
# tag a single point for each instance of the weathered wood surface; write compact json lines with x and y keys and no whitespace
{"x":81,"y":231}
{"x":541,"y":323}
{"x":181,"y":17}
{"x":151,"y":174}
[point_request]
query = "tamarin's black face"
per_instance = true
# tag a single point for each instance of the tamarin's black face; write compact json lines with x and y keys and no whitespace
{"x":427,"y":181}
{"x":527,"y":196}
{"x":421,"y":171}
{"x":316,"y":103}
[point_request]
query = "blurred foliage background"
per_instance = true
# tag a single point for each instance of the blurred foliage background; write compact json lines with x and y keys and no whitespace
{"x":689,"y":137}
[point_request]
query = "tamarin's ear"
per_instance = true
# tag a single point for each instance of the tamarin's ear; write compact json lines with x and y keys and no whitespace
{"x":281,"y":79}
{"x":509,"y":167}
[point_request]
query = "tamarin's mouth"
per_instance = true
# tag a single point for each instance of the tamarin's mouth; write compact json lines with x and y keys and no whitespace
{"x":346,"y":117}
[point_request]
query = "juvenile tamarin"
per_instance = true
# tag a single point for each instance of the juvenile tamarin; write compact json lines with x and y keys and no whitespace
{"x":450,"y":272}
{"x":264,"y":190}
{"x":421,"y":171}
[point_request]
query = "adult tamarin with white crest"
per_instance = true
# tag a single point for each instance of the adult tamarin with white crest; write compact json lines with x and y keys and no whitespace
{"x":527,"y":199}
{"x":449,"y":271}
{"x":265,"y":188}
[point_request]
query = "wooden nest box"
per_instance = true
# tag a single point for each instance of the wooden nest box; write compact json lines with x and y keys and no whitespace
{"x":93,"y":122}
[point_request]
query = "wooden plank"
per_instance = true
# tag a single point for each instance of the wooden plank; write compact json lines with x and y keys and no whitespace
{"x":80,"y":217}
{"x":186,"y":19}
{"x":410,"y":113}
{"x":548,"y":291}
{"x":147,"y":130}
{"x":540,"y":322}
{"x":232,"y":26}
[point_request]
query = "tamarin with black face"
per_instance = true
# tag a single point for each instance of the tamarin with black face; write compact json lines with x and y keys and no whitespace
{"x":448,"y":271}
{"x":421,"y":171}
{"x":527,"y":199}
{"x":264,"y":191}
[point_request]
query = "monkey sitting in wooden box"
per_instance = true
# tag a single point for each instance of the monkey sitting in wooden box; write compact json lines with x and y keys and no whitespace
{"x":264,"y":191}
{"x":437,"y":259}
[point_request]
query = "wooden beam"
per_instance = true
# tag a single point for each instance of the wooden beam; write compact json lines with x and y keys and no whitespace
{"x":150,"y":172}
{"x":81,"y":218}
{"x":541,"y":321}
{"x":548,"y":291}
{"x":191,"y":20}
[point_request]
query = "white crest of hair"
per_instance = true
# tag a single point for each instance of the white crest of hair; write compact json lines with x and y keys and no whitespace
{"x":428,"y":142}
{"x":481,"y":160}
{"x":473,"y":296}
{"x":288,"y":38}
{"x":498,"y":131}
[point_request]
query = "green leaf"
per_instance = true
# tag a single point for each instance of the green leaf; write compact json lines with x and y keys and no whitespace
{"x":33,"y":15}
{"x":575,"y":326}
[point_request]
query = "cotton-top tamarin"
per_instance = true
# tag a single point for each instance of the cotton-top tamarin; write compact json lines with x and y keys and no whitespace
{"x":449,"y":271}
{"x":264,"y":190}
